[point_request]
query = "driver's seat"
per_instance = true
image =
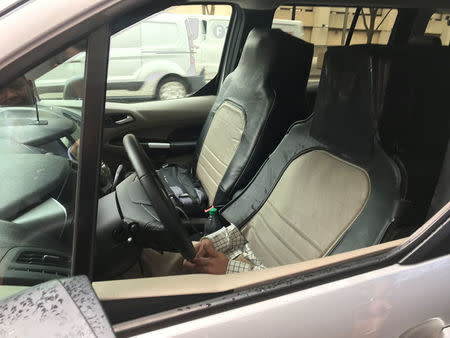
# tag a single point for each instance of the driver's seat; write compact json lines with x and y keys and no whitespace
{"x":254,"y":108}
{"x":329,"y":186}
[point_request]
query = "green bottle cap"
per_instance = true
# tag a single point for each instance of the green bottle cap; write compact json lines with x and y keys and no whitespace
{"x":213,"y":211}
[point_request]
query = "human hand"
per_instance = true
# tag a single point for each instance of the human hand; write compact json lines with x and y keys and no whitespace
{"x":199,"y":247}
{"x":74,"y":149}
{"x":207,"y":259}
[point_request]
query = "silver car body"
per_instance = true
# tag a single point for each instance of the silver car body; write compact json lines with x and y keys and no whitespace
{"x":381,"y":303}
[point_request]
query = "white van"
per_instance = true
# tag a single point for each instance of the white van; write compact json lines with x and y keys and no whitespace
{"x":293,"y":27}
{"x":151,"y":59}
{"x":165,"y":56}
{"x":155,"y":58}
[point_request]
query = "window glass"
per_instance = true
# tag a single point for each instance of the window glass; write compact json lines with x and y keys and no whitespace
{"x":174,"y":53}
{"x":128,"y":38}
{"x":374,"y":26}
{"x":160,"y":34}
{"x":39,"y":134}
{"x":329,"y":26}
{"x":439,"y":27}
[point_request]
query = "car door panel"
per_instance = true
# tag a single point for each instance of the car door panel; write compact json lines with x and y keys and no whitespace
{"x":172,"y":121}
{"x":380,"y":303}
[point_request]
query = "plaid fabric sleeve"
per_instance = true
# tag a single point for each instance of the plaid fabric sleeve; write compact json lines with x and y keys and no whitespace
{"x":227,"y":239}
{"x":235,"y":266}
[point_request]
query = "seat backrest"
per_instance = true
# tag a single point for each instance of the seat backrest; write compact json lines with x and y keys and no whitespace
{"x":415,"y":122}
{"x":254,"y":108}
{"x":328,"y":187}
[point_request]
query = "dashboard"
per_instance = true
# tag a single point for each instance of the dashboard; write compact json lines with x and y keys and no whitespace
{"x":36,"y":193}
{"x":37,"y":202}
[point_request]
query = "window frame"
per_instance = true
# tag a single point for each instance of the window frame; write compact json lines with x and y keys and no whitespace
{"x":86,"y":200}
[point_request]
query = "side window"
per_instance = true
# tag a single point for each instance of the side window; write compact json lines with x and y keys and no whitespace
{"x":439,"y":28}
{"x":329,"y":26}
{"x":168,"y":55}
{"x":39,"y":149}
{"x":153,"y":39}
{"x":128,"y":38}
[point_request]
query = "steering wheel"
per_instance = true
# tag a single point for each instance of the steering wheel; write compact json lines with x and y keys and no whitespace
{"x":157,"y":194}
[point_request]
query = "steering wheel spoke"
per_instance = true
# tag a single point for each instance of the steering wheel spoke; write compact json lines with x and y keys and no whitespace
{"x":157,"y":194}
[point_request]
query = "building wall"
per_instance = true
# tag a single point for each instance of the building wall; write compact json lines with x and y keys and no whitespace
{"x":324,"y":25}
{"x":439,"y":25}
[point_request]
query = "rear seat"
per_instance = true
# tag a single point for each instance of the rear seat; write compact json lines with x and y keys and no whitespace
{"x":415,"y":123}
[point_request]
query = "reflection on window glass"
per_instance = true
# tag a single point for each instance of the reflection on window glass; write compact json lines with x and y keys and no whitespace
{"x":173,"y":54}
{"x":38,"y":145}
{"x":329,"y":26}
{"x":61,"y":77}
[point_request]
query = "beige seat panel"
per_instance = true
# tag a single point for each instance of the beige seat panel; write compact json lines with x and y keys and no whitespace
{"x":220,"y":145}
{"x":318,"y":197}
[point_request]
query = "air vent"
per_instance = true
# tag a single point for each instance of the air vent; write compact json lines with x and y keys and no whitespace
{"x":43,"y":258}
{"x":50,"y":272}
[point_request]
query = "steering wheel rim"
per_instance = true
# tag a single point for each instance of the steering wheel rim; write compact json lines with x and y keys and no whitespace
{"x":157,"y":194}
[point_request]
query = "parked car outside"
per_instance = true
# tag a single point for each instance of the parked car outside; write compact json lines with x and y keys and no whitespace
{"x":153,"y":59}
{"x":165,"y":56}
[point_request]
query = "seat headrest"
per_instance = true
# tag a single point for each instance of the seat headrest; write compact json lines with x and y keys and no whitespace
{"x":270,"y":53}
{"x":350,"y":94}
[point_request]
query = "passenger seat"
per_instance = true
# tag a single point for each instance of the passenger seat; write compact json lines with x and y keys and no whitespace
{"x":255,"y":106}
{"x":329,"y":186}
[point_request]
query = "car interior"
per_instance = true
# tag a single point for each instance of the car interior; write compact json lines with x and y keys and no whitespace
{"x":254,"y":107}
{"x":313,"y":173}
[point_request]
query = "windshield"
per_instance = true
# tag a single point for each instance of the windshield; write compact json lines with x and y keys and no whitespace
{"x":39,"y":150}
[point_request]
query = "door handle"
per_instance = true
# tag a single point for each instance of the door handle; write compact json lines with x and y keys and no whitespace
{"x":431,"y":328}
{"x":125,"y":120}
{"x":114,"y":120}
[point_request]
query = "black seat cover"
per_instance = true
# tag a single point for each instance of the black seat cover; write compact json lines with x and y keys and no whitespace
{"x":415,"y":123}
{"x":268,"y":86}
{"x":344,"y":124}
